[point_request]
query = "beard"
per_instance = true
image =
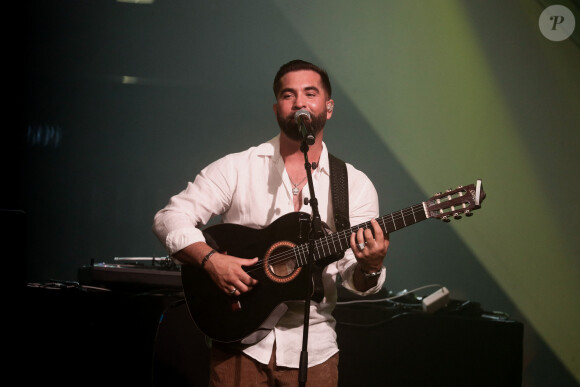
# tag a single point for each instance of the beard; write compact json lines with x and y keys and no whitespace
{"x":290,"y":128}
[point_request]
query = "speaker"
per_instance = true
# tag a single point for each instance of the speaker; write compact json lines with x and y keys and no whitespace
{"x":77,"y":337}
{"x":401,"y":347}
{"x":181,"y":354}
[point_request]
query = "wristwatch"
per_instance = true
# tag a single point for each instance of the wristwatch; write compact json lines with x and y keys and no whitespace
{"x":371,"y":274}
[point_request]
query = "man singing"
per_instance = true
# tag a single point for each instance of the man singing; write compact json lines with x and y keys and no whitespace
{"x":255,"y":187}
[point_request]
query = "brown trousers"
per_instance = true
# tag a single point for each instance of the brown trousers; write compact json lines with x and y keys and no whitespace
{"x":236,"y":369}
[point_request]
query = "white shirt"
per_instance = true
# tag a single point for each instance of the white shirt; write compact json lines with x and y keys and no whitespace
{"x":252,"y":188}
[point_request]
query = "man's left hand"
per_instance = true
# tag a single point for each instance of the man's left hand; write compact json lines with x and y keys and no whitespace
{"x":374,"y":248}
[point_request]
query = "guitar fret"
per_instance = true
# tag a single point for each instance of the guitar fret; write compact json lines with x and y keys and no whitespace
{"x":394,"y":224}
{"x":403,"y":217}
{"x":304,"y":254}
{"x":409,"y":219}
{"x":384,"y":227}
{"x":322,"y":247}
{"x":400,"y":222}
{"x":327,"y":246}
{"x":333,"y":245}
{"x":297,"y":258}
{"x":340,"y":237}
{"x":297,"y":255}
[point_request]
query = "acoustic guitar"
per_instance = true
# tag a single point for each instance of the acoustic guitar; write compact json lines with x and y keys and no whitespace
{"x":283,"y":249}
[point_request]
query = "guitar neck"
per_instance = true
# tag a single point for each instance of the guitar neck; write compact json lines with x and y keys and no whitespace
{"x":397,"y":220}
{"x":340,"y":241}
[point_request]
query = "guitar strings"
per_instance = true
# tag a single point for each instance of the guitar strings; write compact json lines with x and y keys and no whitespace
{"x":302,"y":250}
{"x":335,"y":238}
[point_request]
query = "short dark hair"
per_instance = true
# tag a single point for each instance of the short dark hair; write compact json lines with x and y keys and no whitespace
{"x":297,"y":65}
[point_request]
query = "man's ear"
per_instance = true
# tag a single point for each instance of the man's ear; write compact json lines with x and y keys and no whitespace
{"x":329,"y":108}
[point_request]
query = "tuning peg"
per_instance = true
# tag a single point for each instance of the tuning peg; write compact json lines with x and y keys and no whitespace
{"x":449,"y":189}
{"x":446,"y":219}
{"x":468,"y":213}
{"x":457,"y":216}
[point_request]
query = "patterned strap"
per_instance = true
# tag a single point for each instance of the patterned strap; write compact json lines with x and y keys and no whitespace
{"x":339,"y":191}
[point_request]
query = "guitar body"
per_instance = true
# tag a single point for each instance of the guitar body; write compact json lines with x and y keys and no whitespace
{"x":249,"y":317}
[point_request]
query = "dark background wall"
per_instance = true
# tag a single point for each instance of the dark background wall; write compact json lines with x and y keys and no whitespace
{"x":126,"y":102}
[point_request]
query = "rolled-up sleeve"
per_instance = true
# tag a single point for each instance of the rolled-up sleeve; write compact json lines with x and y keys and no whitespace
{"x":177,"y":224}
{"x":363,"y":206}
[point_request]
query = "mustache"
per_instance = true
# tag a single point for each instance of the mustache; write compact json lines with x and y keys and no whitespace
{"x":289,"y":126}
{"x":291,"y":117}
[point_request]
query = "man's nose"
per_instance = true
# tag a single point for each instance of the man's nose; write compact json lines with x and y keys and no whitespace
{"x":299,"y":102}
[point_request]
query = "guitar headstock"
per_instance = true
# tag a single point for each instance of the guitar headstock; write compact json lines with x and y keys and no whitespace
{"x":456,"y":202}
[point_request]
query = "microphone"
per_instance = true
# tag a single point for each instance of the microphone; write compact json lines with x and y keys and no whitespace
{"x":300,"y":116}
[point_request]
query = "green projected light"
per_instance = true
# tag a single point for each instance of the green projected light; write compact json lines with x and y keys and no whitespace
{"x":419,"y":74}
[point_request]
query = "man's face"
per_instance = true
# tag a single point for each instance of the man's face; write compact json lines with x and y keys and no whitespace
{"x":301,"y":90}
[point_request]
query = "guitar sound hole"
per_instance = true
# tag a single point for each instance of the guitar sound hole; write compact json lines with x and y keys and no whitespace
{"x":283,"y":269}
{"x":280,"y":264}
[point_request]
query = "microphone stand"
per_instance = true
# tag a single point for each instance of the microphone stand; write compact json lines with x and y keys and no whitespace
{"x":315,"y":230}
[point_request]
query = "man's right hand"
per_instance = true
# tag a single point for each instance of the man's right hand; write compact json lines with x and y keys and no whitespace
{"x":228,"y":273}
{"x":225,"y":270}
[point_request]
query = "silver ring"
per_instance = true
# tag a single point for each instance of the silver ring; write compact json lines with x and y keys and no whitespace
{"x":361,"y":246}
{"x":233,"y":291}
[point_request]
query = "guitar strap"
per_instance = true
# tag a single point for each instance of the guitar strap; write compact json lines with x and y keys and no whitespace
{"x":339,"y":192}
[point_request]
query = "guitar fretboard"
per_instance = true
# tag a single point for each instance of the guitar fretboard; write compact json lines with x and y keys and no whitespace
{"x":340,"y":241}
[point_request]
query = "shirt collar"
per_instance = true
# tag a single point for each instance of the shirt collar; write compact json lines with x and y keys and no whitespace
{"x":272,"y":149}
